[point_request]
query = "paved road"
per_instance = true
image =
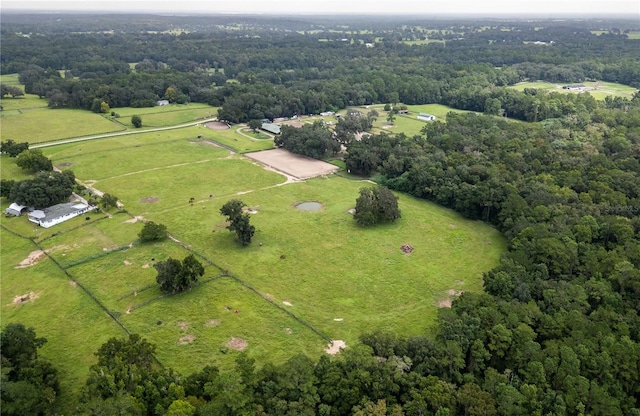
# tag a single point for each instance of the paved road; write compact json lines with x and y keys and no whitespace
{"x":124,"y":133}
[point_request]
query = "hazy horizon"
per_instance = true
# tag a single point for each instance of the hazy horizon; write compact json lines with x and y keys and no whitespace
{"x":460,"y":8}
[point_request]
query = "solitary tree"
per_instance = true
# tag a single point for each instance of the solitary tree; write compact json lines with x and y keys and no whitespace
{"x":375,"y":205}
{"x":255,"y":125}
{"x":136,"y":121}
{"x":152,"y":231}
{"x":238,"y":221}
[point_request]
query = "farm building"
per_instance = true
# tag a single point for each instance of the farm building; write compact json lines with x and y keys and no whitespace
{"x":426,"y":117}
{"x":404,"y":112}
{"x":162,"y":102}
{"x":271,"y":128}
{"x":15,"y":209}
{"x":56,"y":214}
{"x":574,"y":87}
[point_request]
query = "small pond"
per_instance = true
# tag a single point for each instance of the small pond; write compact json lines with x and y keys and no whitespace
{"x":309,"y":206}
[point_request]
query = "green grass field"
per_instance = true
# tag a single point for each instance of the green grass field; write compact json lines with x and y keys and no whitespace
{"x":598,"y":89}
{"x":340,"y":280}
{"x":169,"y":115}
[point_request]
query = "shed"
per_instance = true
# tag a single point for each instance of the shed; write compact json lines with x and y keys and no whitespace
{"x":426,"y":117}
{"x":162,"y":102}
{"x":15,"y":209}
{"x":271,"y":128}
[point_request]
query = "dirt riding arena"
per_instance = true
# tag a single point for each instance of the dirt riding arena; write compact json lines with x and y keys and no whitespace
{"x":298,"y":166}
{"x":217,"y":125}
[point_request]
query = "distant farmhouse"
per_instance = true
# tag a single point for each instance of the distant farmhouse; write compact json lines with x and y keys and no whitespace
{"x":160,"y":103}
{"x":271,"y":128}
{"x":426,"y":117}
{"x":56,"y":214}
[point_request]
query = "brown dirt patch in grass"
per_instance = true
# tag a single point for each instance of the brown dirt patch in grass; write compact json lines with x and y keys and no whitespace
{"x":237,"y":344}
{"x":296,"y":124}
{"x":27,"y":297}
{"x":212,"y":322}
{"x":149,"y":200}
{"x":136,"y":218}
{"x":445,"y":303}
{"x":288,"y":331}
{"x":145,"y":266}
{"x":452,"y":226}
{"x":186,"y":339}
{"x":335,"y":346}
{"x":287,"y":303}
{"x":72,"y":283}
{"x":407,"y":249}
{"x":183,"y":325}
{"x":127,"y":263}
{"x":33,"y":258}
{"x":217,"y":125}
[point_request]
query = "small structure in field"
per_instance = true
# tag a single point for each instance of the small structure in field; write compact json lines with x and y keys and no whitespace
{"x":160,"y":103}
{"x":56,"y":214}
{"x":574,"y":87}
{"x":15,"y":209}
{"x":426,"y":117}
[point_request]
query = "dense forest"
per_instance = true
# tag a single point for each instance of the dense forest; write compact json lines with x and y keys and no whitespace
{"x":556,"y":330}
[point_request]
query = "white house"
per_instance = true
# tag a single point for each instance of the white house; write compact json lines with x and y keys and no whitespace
{"x":426,"y":117}
{"x":56,"y":214}
{"x":162,"y":102}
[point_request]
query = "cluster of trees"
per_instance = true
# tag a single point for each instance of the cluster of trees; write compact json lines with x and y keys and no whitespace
{"x":29,"y":384}
{"x":12,"y":148}
{"x":32,"y":161}
{"x":43,"y":190}
{"x":314,"y":140}
{"x":11,"y":90}
{"x":238,"y":221}
{"x":376,"y":205}
{"x":177,"y":276}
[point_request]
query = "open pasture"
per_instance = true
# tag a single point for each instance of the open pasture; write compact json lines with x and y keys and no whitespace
{"x":169,"y":115}
{"x":47,"y":124}
{"x":598,"y":89}
{"x":305,"y":271}
{"x":24,"y":102}
{"x":239,"y":139}
{"x":73,"y":324}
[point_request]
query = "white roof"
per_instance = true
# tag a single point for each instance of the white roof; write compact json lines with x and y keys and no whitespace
{"x":17,"y":207}
{"x":38,"y":213}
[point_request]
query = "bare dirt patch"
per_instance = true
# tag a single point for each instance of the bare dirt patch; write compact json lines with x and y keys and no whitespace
{"x":186,"y":339}
{"x":183,"y":325}
{"x":335,"y":346}
{"x":217,"y":125}
{"x":145,"y":266}
{"x":296,"y":124}
{"x":444,"y":303}
{"x":447,"y":301}
{"x":136,"y":218}
{"x":72,"y":283}
{"x":127,"y":263}
{"x":300,"y":167}
{"x":212,"y":322}
{"x":27,"y":297}
{"x":33,"y":258}
{"x":237,"y":344}
{"x":149,"y":200}
{"x":452,"y":226}
{"x":286,"y":303}
{"x":288,"y":331}
{"x":407,"y":249}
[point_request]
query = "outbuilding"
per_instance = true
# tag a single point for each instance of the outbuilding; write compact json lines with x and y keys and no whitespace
{"x":56,"y":214}
{"x":15,"y":209}
{"x":426,"y":117}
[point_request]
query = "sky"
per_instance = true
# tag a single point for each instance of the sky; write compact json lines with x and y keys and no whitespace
{"x":626,"y":8}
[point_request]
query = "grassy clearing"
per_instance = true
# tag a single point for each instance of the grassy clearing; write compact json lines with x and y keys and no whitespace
{"x":598,"y":89}
{"x":73,"y":324}
{"x":169,"y":115}
{"x":27,"y":101}
{"x":137,"y":153}
{"x":46,"y":124}
{"x":634,"y":34}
